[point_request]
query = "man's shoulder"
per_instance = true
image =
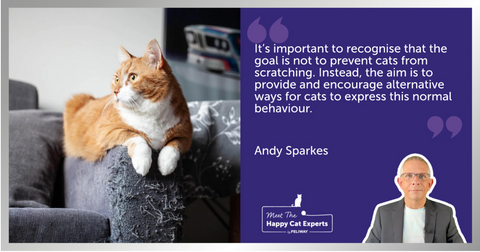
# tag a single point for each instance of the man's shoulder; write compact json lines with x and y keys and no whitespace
{"x":439,"y":205}
{"x":390,"y":205}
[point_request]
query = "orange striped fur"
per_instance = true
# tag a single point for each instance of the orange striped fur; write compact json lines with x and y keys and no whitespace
{"x":146,"y":108}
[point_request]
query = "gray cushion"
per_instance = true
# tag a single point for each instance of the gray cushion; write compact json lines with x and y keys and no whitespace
{"x":35,"y":155}
{"x":22,"y":96}
{"x":56,"y":225}
{"x":212,"y":165}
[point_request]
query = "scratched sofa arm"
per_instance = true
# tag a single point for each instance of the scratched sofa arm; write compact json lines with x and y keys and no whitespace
{"x":140,"y":209}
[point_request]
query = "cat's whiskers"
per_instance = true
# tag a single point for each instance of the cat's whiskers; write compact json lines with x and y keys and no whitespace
{"x":146,"y":110}
{"x":135,"y":104}
{"x":129,"y":104}
{"x":107,"y":104}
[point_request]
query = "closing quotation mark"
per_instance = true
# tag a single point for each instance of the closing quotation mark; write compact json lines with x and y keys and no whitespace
{"x":278,"y":32}
{"x":453,"y":124}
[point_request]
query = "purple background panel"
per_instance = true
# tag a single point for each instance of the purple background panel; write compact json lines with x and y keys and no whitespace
{"x":366,"y":141}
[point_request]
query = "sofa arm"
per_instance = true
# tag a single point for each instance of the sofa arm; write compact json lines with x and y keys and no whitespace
{"x":140,"y":209}
{"x":22,"y":95}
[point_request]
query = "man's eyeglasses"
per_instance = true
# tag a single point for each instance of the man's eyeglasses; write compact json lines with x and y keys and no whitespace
{"x":410,"y":176}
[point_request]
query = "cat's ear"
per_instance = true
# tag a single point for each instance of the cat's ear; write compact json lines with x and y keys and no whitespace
{"x":153,"y":55}
{"x":123,"y":55}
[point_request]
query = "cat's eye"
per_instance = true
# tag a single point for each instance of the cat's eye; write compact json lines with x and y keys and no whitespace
{"x":116,"y":80}
{"x":133,"y":77}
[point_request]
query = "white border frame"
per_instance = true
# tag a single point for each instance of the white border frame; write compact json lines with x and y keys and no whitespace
{"x":474,"y":4}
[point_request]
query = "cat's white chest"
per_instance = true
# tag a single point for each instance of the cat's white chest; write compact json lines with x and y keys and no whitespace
{"x":153,"y":119}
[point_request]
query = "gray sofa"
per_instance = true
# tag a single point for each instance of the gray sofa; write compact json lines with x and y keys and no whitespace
{"x":53,"y":198}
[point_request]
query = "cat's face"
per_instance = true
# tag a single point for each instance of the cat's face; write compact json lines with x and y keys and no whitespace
{"x":142,"y":81}
{"x":299,"y":195}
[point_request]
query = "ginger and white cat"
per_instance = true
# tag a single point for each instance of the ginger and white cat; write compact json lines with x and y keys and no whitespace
{"x":145,"y":110}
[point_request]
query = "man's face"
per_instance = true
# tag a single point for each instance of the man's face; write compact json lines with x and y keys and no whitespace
{"x":416,"y":189}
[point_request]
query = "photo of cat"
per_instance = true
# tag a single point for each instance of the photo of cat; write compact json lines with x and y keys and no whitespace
{"x":146,"y":110}
{"x":120,"y":136}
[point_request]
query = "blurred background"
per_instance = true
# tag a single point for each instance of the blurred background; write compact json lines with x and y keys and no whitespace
{"x":65,"y":51}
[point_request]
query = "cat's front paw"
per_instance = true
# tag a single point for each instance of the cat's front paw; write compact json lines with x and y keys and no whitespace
{"x":142,"y":163}
{"x":167,"y":160}
{"x":141,"y":155}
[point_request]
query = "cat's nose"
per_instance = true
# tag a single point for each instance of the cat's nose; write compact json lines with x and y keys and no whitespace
{"x":116,"y":92}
